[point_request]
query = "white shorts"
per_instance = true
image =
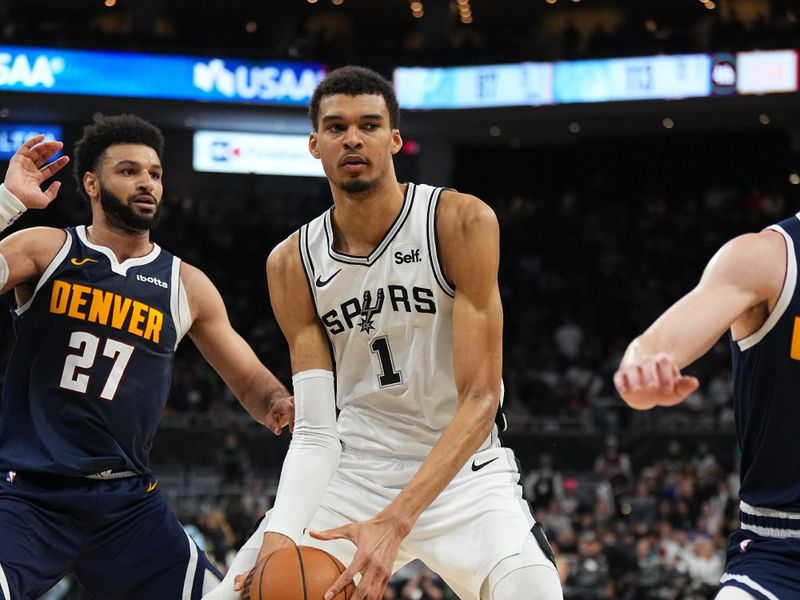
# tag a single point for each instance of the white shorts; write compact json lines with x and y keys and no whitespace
{"x":477,"y":521}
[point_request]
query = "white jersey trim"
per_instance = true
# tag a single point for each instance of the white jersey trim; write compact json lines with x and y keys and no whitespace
{"x":766,"y":512}
{"x":4,"y":584}
{"x":191,"y":568}
{"x":783,"y":300}
{"x":120,"y":268}
{"x":392,"y":232}
{"x":433,"y":246}
{"x":179,"y":302}
{"x":48,"y":272}
{"x":745,"y":580}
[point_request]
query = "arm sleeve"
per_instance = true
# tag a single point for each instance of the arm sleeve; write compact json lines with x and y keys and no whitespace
{"x":313,"y":454}
{"x":11,"y":207}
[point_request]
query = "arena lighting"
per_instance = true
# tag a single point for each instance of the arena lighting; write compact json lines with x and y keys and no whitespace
{"x":110,"y":3}
{"x":251,"y":27}
{"x":794,"y":179}
{"x":417,"y":9}
{"x":668,"y":123}
{"x":337,"y":2}
{"x":551,"y":1}
{"x":763,"y":119}
{"x":574,"y":127}
{"x":710,"y":5}
{"x":495,"y":131}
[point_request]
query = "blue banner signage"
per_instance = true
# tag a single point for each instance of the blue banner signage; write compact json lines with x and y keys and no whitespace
{"x":13,"y":135}
{"x":525,"y":84}
{"x":135,"y":75}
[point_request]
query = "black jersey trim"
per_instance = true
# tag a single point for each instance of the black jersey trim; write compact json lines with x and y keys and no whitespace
{"x":433,"y":246}
{"x":391,"y":233}
{"x":308,"y":265}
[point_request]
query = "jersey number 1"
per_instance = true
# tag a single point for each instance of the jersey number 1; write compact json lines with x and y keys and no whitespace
{"x":87,"y":345}
{"x":389,"y":375}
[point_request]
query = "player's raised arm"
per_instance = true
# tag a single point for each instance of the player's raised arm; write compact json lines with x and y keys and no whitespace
{"x":739,"y":286}
{"x":24,"y":256}
{"x":259,"y":391}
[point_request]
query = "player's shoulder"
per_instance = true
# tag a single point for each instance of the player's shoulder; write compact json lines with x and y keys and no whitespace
{"x":767,"y":247}
{"x":752,"y":260}
{"x":38,"y":237}
{"x":195,"y":281}
{"x":286,"y":254}
{"x":40,"y":244}
{"x":462,"y":212}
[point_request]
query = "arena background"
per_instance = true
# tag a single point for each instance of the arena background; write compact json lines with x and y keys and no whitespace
{"x":608,"y":209}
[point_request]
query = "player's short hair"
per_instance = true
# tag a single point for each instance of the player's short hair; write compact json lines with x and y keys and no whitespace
{"x":108,"y":131}
{"x":354,"y":81}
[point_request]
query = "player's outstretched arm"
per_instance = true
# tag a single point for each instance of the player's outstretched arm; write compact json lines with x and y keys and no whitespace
{"x":742,"y":281}
{"x":469,"y":243}
{"x":24,"y":255}
{"x":314,"y":451}
{"x":258,"y":390}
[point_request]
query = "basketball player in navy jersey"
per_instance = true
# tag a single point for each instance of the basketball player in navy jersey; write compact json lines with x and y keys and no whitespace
{"x":750,"y":289}
{"x":395,"y":290}
{"x":100,"y":311}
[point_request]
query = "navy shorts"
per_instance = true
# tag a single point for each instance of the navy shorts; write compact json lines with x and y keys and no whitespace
{"x":766,"y":567}
{"x":119,"y":537}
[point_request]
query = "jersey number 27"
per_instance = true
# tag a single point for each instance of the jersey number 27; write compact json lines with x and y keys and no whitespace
{"x":87,"y":345}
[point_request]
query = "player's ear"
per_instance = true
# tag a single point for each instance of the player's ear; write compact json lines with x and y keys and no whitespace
{"x":397,"y":141}
{"x":91,"y":184}
{"x":312,"y":144}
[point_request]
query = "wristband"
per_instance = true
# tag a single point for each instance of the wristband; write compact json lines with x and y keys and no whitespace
{"x":11,"y":207}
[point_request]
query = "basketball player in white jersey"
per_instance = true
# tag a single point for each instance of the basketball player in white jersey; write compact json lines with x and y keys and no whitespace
{"x":390,"y":305}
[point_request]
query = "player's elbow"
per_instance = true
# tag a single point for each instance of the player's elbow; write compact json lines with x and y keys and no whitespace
{"x":483,"y":406}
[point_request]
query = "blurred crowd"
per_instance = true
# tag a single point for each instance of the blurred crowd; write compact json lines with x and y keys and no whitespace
{"x":339,"y":32}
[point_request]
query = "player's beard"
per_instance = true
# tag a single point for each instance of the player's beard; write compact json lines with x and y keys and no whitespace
{"x":356,"y":186}
{"x":123,"y":215}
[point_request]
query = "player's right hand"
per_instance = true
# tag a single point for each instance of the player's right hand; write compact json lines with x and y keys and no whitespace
{"x":653,"y":380}
{"x":272,"y":543}
{"x":28,"y":169}
{"x":280,"y":415}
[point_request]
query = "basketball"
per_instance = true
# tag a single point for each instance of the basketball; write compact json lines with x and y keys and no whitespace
{"x":298,"y":573}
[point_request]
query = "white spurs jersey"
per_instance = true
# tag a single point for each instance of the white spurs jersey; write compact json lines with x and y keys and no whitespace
{"x":388,"y":317}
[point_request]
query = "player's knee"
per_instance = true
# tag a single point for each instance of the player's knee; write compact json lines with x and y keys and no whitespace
{"x":529,"y":575}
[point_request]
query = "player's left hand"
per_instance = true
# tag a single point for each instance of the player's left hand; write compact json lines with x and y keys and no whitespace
{"x":280,"y":415}
{"x":377,"y":543}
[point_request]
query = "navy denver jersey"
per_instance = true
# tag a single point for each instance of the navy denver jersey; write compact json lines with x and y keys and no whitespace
{"x":91,"y":365}
{"x":766,"y":374}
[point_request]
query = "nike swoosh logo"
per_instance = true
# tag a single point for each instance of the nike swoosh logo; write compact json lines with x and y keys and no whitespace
{"x":478,"y":467}
{"x":83,"y":261}
{"x":151,"y":487}
{"x":323,"y":282}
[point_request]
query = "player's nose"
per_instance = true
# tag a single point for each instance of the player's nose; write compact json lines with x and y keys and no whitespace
{"x":352,"y":137}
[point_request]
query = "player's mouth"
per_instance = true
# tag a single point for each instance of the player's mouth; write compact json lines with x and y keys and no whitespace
{"x":145,"y":202}
{"x":353,"y":163}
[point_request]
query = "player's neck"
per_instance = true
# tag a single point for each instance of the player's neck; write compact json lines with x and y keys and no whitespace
{"x":123,"y":243}
{"x":360,"y":221}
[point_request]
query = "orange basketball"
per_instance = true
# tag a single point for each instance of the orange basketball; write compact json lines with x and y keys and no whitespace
{"x":298,"y":573}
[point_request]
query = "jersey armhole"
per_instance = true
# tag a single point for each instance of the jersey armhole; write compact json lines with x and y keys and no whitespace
{"x":789,"y":284}
{"x":433,"y":247}
{"x":179,"y":303}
